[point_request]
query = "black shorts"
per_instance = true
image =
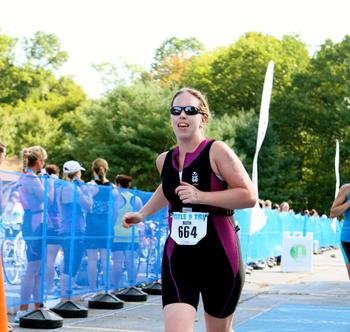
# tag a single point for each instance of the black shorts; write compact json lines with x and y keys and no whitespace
{"x":208,"y":268}
{"x":345,"y":248}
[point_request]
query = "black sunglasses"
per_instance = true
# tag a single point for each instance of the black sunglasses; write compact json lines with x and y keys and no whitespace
{"x":189,"y":110}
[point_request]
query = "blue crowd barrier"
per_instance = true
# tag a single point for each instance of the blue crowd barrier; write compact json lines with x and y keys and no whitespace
{"x":84,"y":249}
{"x":267,"y":242}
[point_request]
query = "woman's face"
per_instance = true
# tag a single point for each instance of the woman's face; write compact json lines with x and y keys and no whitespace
{"x":185,"y":126}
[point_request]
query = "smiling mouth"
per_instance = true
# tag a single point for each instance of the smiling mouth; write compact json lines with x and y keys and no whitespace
{"x":183,"y":125}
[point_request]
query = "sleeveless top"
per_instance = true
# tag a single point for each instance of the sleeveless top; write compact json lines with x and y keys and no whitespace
{"x":101,"y":199}
{"x":122,"y":234}
{"x":197,"y":171}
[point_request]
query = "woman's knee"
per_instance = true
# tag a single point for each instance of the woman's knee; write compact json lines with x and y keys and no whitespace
{"x":179,"y":317}
{"x":215,"y":324}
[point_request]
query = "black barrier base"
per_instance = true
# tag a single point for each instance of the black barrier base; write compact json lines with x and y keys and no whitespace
{"x":41,"y":319}
{"x":131,"y":294}
{"x":105,"y":301}
{"x":155,"y":288}
{"x":70,"y":309}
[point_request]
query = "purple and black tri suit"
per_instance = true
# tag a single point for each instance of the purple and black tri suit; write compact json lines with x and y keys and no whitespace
{"x":213,"y":266}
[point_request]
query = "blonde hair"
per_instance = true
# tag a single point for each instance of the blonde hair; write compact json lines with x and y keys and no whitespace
{"x":31,"y":155}
{"x":100,"y":168}
{"x":69,"y":176}
{"x":203,"y":103}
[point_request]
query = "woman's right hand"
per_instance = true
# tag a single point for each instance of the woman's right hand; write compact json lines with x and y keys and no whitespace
{"x":131,"y":218}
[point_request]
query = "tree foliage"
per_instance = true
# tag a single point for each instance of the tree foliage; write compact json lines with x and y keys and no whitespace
{"x":129,"y":126}
{"x":171,"y":59}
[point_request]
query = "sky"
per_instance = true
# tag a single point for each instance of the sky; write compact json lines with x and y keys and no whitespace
{"x":97,"y":31}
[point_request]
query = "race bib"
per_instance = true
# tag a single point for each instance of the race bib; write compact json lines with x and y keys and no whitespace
{"x":188,"y":228}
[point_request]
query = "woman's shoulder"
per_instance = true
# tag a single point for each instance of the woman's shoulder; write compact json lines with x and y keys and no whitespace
{"x":219,"y":148}
{"x":160,"y":160}
{"x":345,"y":188}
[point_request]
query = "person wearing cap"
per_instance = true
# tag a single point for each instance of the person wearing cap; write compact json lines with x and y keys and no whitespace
{"x":74,"y":200}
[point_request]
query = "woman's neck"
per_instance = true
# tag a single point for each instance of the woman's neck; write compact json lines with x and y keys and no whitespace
{"x":104,"y":180}
{"x":190,"y":145}
{"x":31,"y":170}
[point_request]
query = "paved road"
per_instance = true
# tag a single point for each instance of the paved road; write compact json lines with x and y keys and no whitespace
{"x":264,"y":290}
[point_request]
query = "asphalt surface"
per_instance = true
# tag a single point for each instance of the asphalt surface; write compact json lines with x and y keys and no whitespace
{"x":267,"y":293}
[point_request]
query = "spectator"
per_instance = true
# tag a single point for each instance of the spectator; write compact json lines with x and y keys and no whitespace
{"x":313,"y":213}
{"x":32,"y":195}
{"x":73,"y":197}
{"x":268,"y":204}
{"x":261,"y":203}
{"x":306,"y":213}
{"x":53,"y":238}
{"x":97,"y":230}
{"x":5,"y":190}
{"x":13,"y":215}
{"x":276,"y":206}
{"x":284,"y":207}
{"x":124,"y":240}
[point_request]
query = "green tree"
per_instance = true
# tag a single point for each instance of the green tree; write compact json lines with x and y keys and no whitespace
{"x":172,"y":57}
{"x":233,"y":79}
{"x":311,"y":116}
{"x":44,"y":51}
{"x":129,"y":128}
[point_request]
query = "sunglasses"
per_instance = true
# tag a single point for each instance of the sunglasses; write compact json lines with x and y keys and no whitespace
{"x":189,"y":110}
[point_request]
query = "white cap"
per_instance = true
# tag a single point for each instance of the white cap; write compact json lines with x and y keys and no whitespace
{"x":72,"y":166}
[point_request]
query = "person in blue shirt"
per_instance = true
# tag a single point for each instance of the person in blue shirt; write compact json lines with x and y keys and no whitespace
{"x":97,"y":220}
{"x":341,"y":206}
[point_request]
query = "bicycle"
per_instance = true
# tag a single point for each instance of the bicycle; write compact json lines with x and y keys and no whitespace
{"x":14,"y":259}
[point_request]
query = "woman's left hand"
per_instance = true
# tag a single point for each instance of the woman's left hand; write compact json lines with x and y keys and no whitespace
{"x":188,"y":194}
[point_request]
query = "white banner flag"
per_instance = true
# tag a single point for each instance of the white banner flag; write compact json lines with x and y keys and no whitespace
{"x":336,"y":163}
{"x":263,"y":119}
{"x":258,"y":218}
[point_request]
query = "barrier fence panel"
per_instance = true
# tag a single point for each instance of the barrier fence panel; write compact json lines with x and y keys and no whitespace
{"x":62,"y":239}
{"x":268,"y":241}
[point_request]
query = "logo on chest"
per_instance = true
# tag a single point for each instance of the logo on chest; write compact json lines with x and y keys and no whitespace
{"x":195,"y":178}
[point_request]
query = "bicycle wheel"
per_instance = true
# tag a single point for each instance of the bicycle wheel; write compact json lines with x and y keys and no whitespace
{"x":8,"y":262}
{"x":20,"y":257}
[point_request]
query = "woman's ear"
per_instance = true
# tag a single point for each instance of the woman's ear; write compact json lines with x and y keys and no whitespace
{"x":205,"y":118}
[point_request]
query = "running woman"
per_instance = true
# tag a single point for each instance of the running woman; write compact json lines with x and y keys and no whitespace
{"x":203,"y":181}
